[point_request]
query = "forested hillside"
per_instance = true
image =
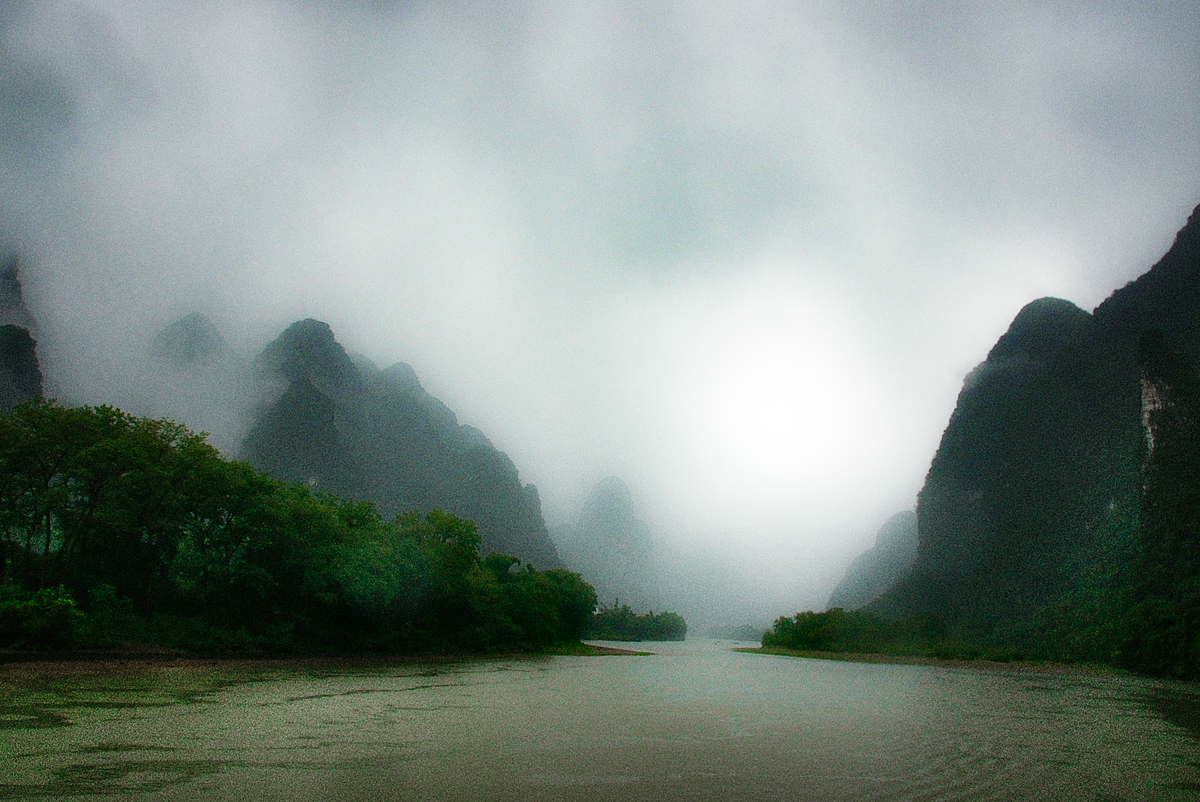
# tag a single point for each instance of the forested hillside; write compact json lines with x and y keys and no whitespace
{"x":374,"y":434}
{"x":1046,"y":519}
{"x":120,"y":530}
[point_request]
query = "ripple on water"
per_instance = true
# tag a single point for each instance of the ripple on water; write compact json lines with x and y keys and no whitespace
{"x":695,"y":724}
{"x":110,"y":778}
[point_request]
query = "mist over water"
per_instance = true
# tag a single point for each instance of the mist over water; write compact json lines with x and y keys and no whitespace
{"x":741,"y":259}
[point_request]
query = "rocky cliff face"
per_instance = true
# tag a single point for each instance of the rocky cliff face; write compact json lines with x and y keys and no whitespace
{"x":20,"y":373}
{"x":877,"y":569}
{"x":370,"y":434}
{"x":1039,"y":469}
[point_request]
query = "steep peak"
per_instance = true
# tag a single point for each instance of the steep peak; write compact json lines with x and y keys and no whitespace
{"x":10,"y":285}
{"x":12,"y":299}
{"x":1187,"y":242}
{"x":1039,"y":330}
{"x":610,"y":493}
{"x":189,"y":340}
{"x":308,"y":349}
{"x":402,"y":375}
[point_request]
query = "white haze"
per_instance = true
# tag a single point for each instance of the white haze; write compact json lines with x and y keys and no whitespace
{"x":740,"y":255}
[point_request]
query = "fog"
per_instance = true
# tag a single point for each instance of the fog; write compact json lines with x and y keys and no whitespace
{"x":740,"y":255}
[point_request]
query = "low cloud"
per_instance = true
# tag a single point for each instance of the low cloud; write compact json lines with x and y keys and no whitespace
{"x":741,"y":257}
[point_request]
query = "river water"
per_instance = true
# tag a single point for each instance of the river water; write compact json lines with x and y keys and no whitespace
{"x":694,"y":721}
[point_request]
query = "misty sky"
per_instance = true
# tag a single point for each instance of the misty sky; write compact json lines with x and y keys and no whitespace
{"x":739,"y":254}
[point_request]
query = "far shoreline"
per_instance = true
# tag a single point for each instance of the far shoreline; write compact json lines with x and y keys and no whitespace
{"x":1030,"y":666}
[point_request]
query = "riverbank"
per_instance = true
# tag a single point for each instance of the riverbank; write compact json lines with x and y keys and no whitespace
{"x":1039,"y":666}
{"x":13,"y":663}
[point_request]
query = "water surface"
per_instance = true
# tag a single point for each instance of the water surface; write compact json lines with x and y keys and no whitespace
{"x":693,"y":721}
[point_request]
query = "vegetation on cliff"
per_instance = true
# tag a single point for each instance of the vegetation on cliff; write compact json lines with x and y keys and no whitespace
{"x":1061,"y":513}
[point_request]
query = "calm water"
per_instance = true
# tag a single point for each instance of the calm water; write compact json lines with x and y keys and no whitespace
{"x":695,"y":721}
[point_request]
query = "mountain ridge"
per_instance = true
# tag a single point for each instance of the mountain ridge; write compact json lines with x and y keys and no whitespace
{"x":378,"y":435}
{"x":1036,"y":484}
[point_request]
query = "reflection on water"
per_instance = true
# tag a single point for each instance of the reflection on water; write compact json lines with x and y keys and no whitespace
{"x":694,"y":721}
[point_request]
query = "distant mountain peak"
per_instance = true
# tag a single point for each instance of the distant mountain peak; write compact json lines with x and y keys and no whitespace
{"x":346,"y":427}
{"x":308,"y":349}
{"x":190,"y":339}
{"x":609,"y":493}
{"x":1039,"y":330}
{"x":402,"y":374}
{"x":612,"y":547}
{"x":12,"y":299}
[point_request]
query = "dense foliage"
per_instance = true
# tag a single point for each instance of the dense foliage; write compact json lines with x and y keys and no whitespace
{"x":620,"y":622}
{"x":117,"y":529}
{"x":859,"y":631}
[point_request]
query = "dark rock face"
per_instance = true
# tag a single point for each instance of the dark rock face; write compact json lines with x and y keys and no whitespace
{"x":1042,"y":456}
{"x":1169,"y":560}
{"x":20,"y":376}
{"x":296,"y":439}
{"x":10,"y":286}
{"x":308,"y":350}
{"x":878,"y":568}
{"x":20,"y":373}
{"x":377,"y":435}
{"x":612,"y":547}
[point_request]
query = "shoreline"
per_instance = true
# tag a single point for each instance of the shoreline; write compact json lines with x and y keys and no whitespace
{"x":13,"y":663}
{"x":1029,"y":666}
{"x":601,"y":651}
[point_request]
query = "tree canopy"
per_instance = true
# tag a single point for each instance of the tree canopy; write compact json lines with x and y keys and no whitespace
{"x":118,"y":528}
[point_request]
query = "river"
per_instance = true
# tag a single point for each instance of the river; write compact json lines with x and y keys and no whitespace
{"x":694,"y":721}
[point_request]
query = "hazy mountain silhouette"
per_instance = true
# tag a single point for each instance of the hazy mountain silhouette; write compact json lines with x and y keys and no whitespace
{"x":20,"y":373}
{"x":612,"y":547}
{"x":878,"y":568}
{"x":1035,"y":486}
{"x":364,"y":433}
{"x":192,"y":339}
{"x":191,"y":374}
